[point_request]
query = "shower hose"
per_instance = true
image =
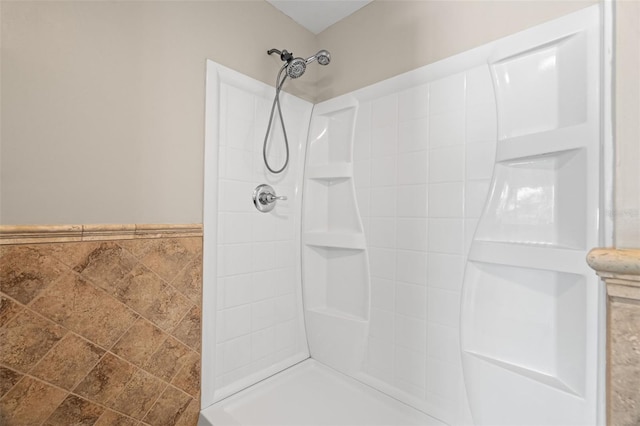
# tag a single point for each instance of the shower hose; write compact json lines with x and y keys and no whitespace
{"x":276,"y":103}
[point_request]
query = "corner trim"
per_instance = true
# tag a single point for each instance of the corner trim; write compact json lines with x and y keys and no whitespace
{"x":34,"y":234}
{"x":620,"y":270}
{"x":616,"y":263}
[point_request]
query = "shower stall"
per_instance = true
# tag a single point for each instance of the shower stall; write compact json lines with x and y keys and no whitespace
{"x":428,"y":263}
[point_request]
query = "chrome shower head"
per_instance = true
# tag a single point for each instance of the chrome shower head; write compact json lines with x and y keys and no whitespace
{"x":323,"y":57}
{"x":296,"y":67}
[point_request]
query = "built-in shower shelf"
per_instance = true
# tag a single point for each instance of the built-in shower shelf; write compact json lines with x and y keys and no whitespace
{"x":537,"y":256}
{"x":532,"y":374}
{"x":340,"y":170}
{"x":563,"y":139}
{"x":337,"y":313}
{"x":345,"y":240}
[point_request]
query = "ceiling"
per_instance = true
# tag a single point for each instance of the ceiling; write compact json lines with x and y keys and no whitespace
{"x":318,"y":15}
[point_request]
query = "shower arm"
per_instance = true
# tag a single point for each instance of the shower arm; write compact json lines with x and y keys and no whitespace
{"x":284,"y":55}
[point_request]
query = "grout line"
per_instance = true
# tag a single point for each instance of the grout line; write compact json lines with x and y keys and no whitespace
{"x":164,"y":281}
{"x":27,"y":309}
{"x":47,"y":353}
{"x":140,"y":315}
{"x":188,"y":264}
{"x":67,"y":331}
{"x":155,"y":401}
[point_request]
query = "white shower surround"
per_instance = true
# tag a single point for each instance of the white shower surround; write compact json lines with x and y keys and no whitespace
{"x":252,"y":262}
{"x":415,"y":226}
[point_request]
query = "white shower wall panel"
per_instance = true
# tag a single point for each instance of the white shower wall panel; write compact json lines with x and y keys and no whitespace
{"x":257,"y":322}
{"x":399,"y":174}
{"x":425,"y":154}
{"x":423,"y":157}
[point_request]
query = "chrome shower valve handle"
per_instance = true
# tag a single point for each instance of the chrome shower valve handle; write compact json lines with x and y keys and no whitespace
{"x":270,"y":198}
{"x":264,"y":198}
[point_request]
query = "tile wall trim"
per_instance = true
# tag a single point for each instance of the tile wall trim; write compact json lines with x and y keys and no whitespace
{"x":30,"y":234}
{"x":615,"y":263}
{"x":620,"y":270}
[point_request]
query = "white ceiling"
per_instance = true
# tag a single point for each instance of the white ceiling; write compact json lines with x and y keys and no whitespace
{"x":318,"y":15}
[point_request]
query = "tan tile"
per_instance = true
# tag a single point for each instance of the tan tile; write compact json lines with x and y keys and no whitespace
{"x":88,"y":311}
{"x":68,"y":362}
{"x":111,"y":418}
{"x":8,"y":378}
{"x":29,"y":402}
{"x":193,"y":244}
{"x":168,"y":408}
{"x":188,"y":331}
{"x":154,"y":299}
{"x":71,"y":254}
{"x":106,"y":380}
{"x":106,"y":265}
{"x":26,"y":339}
{"x":189,"y":281}
{"x":188,"y":378}
{"x":139,"y":342}
{"x":624,"y":369}
{"x":168,"y":359}
{"x":139,"y":395}
{"x":138,"y":247}
{"x":75,"y":411}
{"x":8,"y":309}
{"x":25,"y":272}
{"x":190,"y":415}
{"x":168,"y":256}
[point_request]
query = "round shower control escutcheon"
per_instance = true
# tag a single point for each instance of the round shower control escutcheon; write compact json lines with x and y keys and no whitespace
{"x":264,"y":198}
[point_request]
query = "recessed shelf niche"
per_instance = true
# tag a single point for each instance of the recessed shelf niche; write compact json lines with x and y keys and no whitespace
{"x":552,"y":78}
{"x":538,"y":200}
{"x":337,"y":283}
{"x":330,"y":137}
{"x":529,"y":321}
{"x":335,"y":263}
{"x":331,"y":206}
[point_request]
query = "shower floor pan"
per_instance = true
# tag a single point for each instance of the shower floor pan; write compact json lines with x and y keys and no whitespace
{"x":311,"y":394}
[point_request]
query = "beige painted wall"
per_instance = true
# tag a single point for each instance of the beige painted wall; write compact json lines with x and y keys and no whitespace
{"x":627,"y":127}
{"x":388,"y":37}
{"x":103,"y":103}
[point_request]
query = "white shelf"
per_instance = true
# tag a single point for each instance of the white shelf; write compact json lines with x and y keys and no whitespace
{"x":345,"y":240}
{"x":341,"y":170}
{"x":547,"y":142}
{"x":540,"y":256}
{"x":337,"y":313}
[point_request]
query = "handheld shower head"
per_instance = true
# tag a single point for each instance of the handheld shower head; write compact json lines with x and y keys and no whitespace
{"x":296,"y":67}
{"x":323,"y":57}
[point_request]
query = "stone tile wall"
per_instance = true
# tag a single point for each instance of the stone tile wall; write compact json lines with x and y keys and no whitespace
{"x":620,"y":270}
{"x":101,"y":332}
{"x":624,"y":361}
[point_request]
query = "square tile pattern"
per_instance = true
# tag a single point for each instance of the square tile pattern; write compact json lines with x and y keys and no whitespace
{"x":423,"y":159}
{"x":257,"y":305}
{"x":104,"y":333}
